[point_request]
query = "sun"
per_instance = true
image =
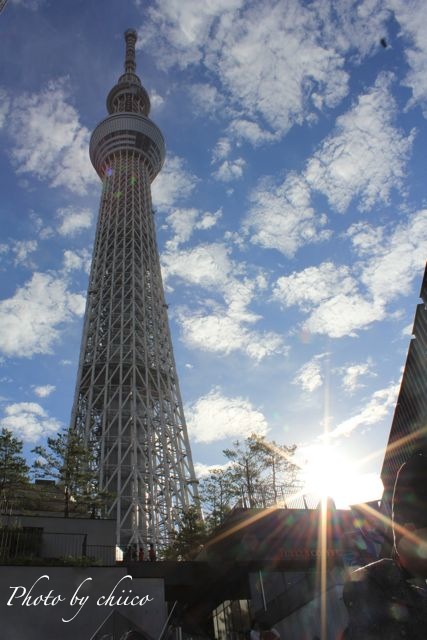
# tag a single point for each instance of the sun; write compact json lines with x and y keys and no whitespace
{"x":328,"y":472}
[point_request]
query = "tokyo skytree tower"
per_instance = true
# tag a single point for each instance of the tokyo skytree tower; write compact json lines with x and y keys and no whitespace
{"x":127,"y":404}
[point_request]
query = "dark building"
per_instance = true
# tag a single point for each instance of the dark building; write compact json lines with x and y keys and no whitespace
{"x":285,"y":567}
{"x":409,"y":426}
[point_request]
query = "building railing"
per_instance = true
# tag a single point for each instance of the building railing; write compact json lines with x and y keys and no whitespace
{"x":32,"y":545}
{"x":283,"y":496}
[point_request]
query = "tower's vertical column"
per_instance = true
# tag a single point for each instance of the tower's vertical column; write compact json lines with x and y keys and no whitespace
{"x":127,"y":404}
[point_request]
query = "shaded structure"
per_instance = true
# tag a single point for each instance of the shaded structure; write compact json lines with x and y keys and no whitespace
{"x":265,"y":563}
{"x":127,"y":405}
{"x":409,"y":427}
{"x":118,"y":626}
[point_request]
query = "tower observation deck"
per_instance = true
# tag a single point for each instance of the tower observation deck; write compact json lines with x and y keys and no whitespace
{"x":127,"y":405}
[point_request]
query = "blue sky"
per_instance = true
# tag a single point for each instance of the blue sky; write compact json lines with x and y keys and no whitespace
{"x":290,"y":212}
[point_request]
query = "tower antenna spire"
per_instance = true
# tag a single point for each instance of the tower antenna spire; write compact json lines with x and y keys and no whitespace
{"x":131,"y":37}
{"x":129,"y":94}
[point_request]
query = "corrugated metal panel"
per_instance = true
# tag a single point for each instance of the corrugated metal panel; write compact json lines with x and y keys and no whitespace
{"x":409,"y":426}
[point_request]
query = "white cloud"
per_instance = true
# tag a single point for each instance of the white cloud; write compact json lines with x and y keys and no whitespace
{"x":397,"y":257}
{"x":412,"y":18}
{"x":344,"y":167}
{"x":44,"y":390}
{"x":281,"y":216}
{"x":376,"y":409}
{"x":4,"y":106}
{"x":205,"y":265}
{"x":250,"y":131}
{"x":343,"y":315}
{"x":42,"y":231}
{"x":215,"y":417}
{"x":206,"y":97}
{"x":209,"y":219}
{"x":329,"y":294}
{"x":221,"y":150}
{"x":352,"y":373}
{"x":277,"y":61}
{"x":75,"y":260}
{"x":356,"y":27}
{"x":223,"y":332}
{"x":22,"y":249}
{"x":314,"y":285}
{"x":173,"y":184}
{"x":29,"y":421}
{"x":230,"y":170}
{"x":156,"y":100}
{"x":49,"y":141}
{"x":220,"y":328}
{"x":184,"y":221}
{"x":270,"y":59}
{"x":339,"y":299}
{"x":184,"y":28}
{"x":408,"y":330}
{"x":310,"y":376}
{"x":365,"y":238}
{"x":31,"y":320}
{"x":365,"y":156}
{"x":73,"y":221}
{"x":203,"y":470}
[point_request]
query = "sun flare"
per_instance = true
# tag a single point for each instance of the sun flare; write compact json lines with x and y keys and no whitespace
{"x":328,"y":472}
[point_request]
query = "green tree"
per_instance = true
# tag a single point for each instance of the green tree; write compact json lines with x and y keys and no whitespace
{"x":260,"y":474}
{"x":13,"y":468}
{"x":246,"y":470}
{"x":73,"y":466}
{"x":187,"y":542}
{"x":279,"y":470}
{"x":217,"y":492}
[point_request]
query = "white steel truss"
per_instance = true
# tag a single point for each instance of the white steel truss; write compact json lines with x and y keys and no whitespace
{"x":127,"y":404}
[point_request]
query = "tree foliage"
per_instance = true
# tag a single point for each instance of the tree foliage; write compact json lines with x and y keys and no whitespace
{"x":188,"y":541}
{"x":276,"y":463}
{"x":13,"y":468}
{"x":259,"y":473}
{"x":217,"y":493}
{"x":73,"y":466}
{"x":245,"y":470}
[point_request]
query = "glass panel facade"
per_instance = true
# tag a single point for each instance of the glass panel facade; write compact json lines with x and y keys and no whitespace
{"x":231,"y":620}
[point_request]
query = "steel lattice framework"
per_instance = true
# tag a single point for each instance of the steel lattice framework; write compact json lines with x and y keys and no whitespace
{"x":127,"y":404}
